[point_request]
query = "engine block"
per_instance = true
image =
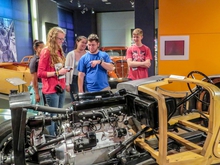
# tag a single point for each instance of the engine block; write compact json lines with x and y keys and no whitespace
{"x":93,"y":131}
{"x":96,"y":132}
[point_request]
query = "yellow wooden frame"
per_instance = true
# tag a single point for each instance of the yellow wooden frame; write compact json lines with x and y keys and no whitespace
{"x":195,"y":154}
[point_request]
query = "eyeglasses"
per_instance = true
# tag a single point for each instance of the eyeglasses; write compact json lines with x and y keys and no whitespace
{"x":61,"y":39}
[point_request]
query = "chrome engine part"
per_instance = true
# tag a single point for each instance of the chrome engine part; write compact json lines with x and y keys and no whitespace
{"x":92,"y":139}
{"x":95,"y":146}
{"x":85,"y":136}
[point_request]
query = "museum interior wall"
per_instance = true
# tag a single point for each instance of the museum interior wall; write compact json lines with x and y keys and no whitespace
{"x":29,"y":24}
{"x":45,"y":15}
{"x":200,"y":21}
{"x":84,"y":24}
{"x":15,"y":19}
{"x":114,"y":29}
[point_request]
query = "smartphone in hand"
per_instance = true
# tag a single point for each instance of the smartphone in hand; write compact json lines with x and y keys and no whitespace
{"x":69,"y":68}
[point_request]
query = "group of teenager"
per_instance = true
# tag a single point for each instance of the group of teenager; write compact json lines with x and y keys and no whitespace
{"x":84,"y":69}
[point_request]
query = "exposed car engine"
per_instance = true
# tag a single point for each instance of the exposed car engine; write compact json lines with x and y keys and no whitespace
{"x":139,"y":122}
{"x":93,"y":131}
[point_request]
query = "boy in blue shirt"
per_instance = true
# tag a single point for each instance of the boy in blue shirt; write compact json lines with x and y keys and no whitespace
{"x":93,"y":67}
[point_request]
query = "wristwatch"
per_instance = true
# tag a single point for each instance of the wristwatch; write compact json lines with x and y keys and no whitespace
{"x":101,"y":61}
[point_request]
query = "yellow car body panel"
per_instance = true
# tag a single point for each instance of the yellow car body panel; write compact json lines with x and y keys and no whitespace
{"x":14,"y":70}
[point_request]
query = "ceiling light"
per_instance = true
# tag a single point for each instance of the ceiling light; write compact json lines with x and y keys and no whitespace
{"x":71,"y":1}
{"x":92,"y":11}
{"x":104,"y":0}
{"x":108,"y":3}
{"x":132,"y":3}
{"x":84,"y":9}
{"x":78,"y":4}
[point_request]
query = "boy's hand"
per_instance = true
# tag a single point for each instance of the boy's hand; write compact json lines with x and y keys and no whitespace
{"x":147,"y":64}
{"x":94,"y":63}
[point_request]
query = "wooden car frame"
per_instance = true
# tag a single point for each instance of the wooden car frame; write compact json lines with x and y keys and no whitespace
{"x":200,"y":153}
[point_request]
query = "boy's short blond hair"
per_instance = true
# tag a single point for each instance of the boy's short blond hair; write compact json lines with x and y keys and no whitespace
{"x":93,"y":37}
{"x":137,"y":31}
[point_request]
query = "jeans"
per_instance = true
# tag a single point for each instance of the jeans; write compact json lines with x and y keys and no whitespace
{"x":74,"y":87}
{"x":54,"y":100}
{"x":32,"y":96}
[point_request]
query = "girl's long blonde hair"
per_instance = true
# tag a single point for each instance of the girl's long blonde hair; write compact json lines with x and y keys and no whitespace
{"x":54,"y":47}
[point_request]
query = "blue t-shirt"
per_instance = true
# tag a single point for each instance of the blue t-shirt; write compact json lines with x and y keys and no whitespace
{"x":96,"y":78}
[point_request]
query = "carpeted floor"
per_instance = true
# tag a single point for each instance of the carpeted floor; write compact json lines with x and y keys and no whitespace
{"x":5,"y":112}
{"x":4,"y":104}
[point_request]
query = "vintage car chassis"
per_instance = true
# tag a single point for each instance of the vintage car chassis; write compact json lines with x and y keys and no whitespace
{"x":162,"y":124}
